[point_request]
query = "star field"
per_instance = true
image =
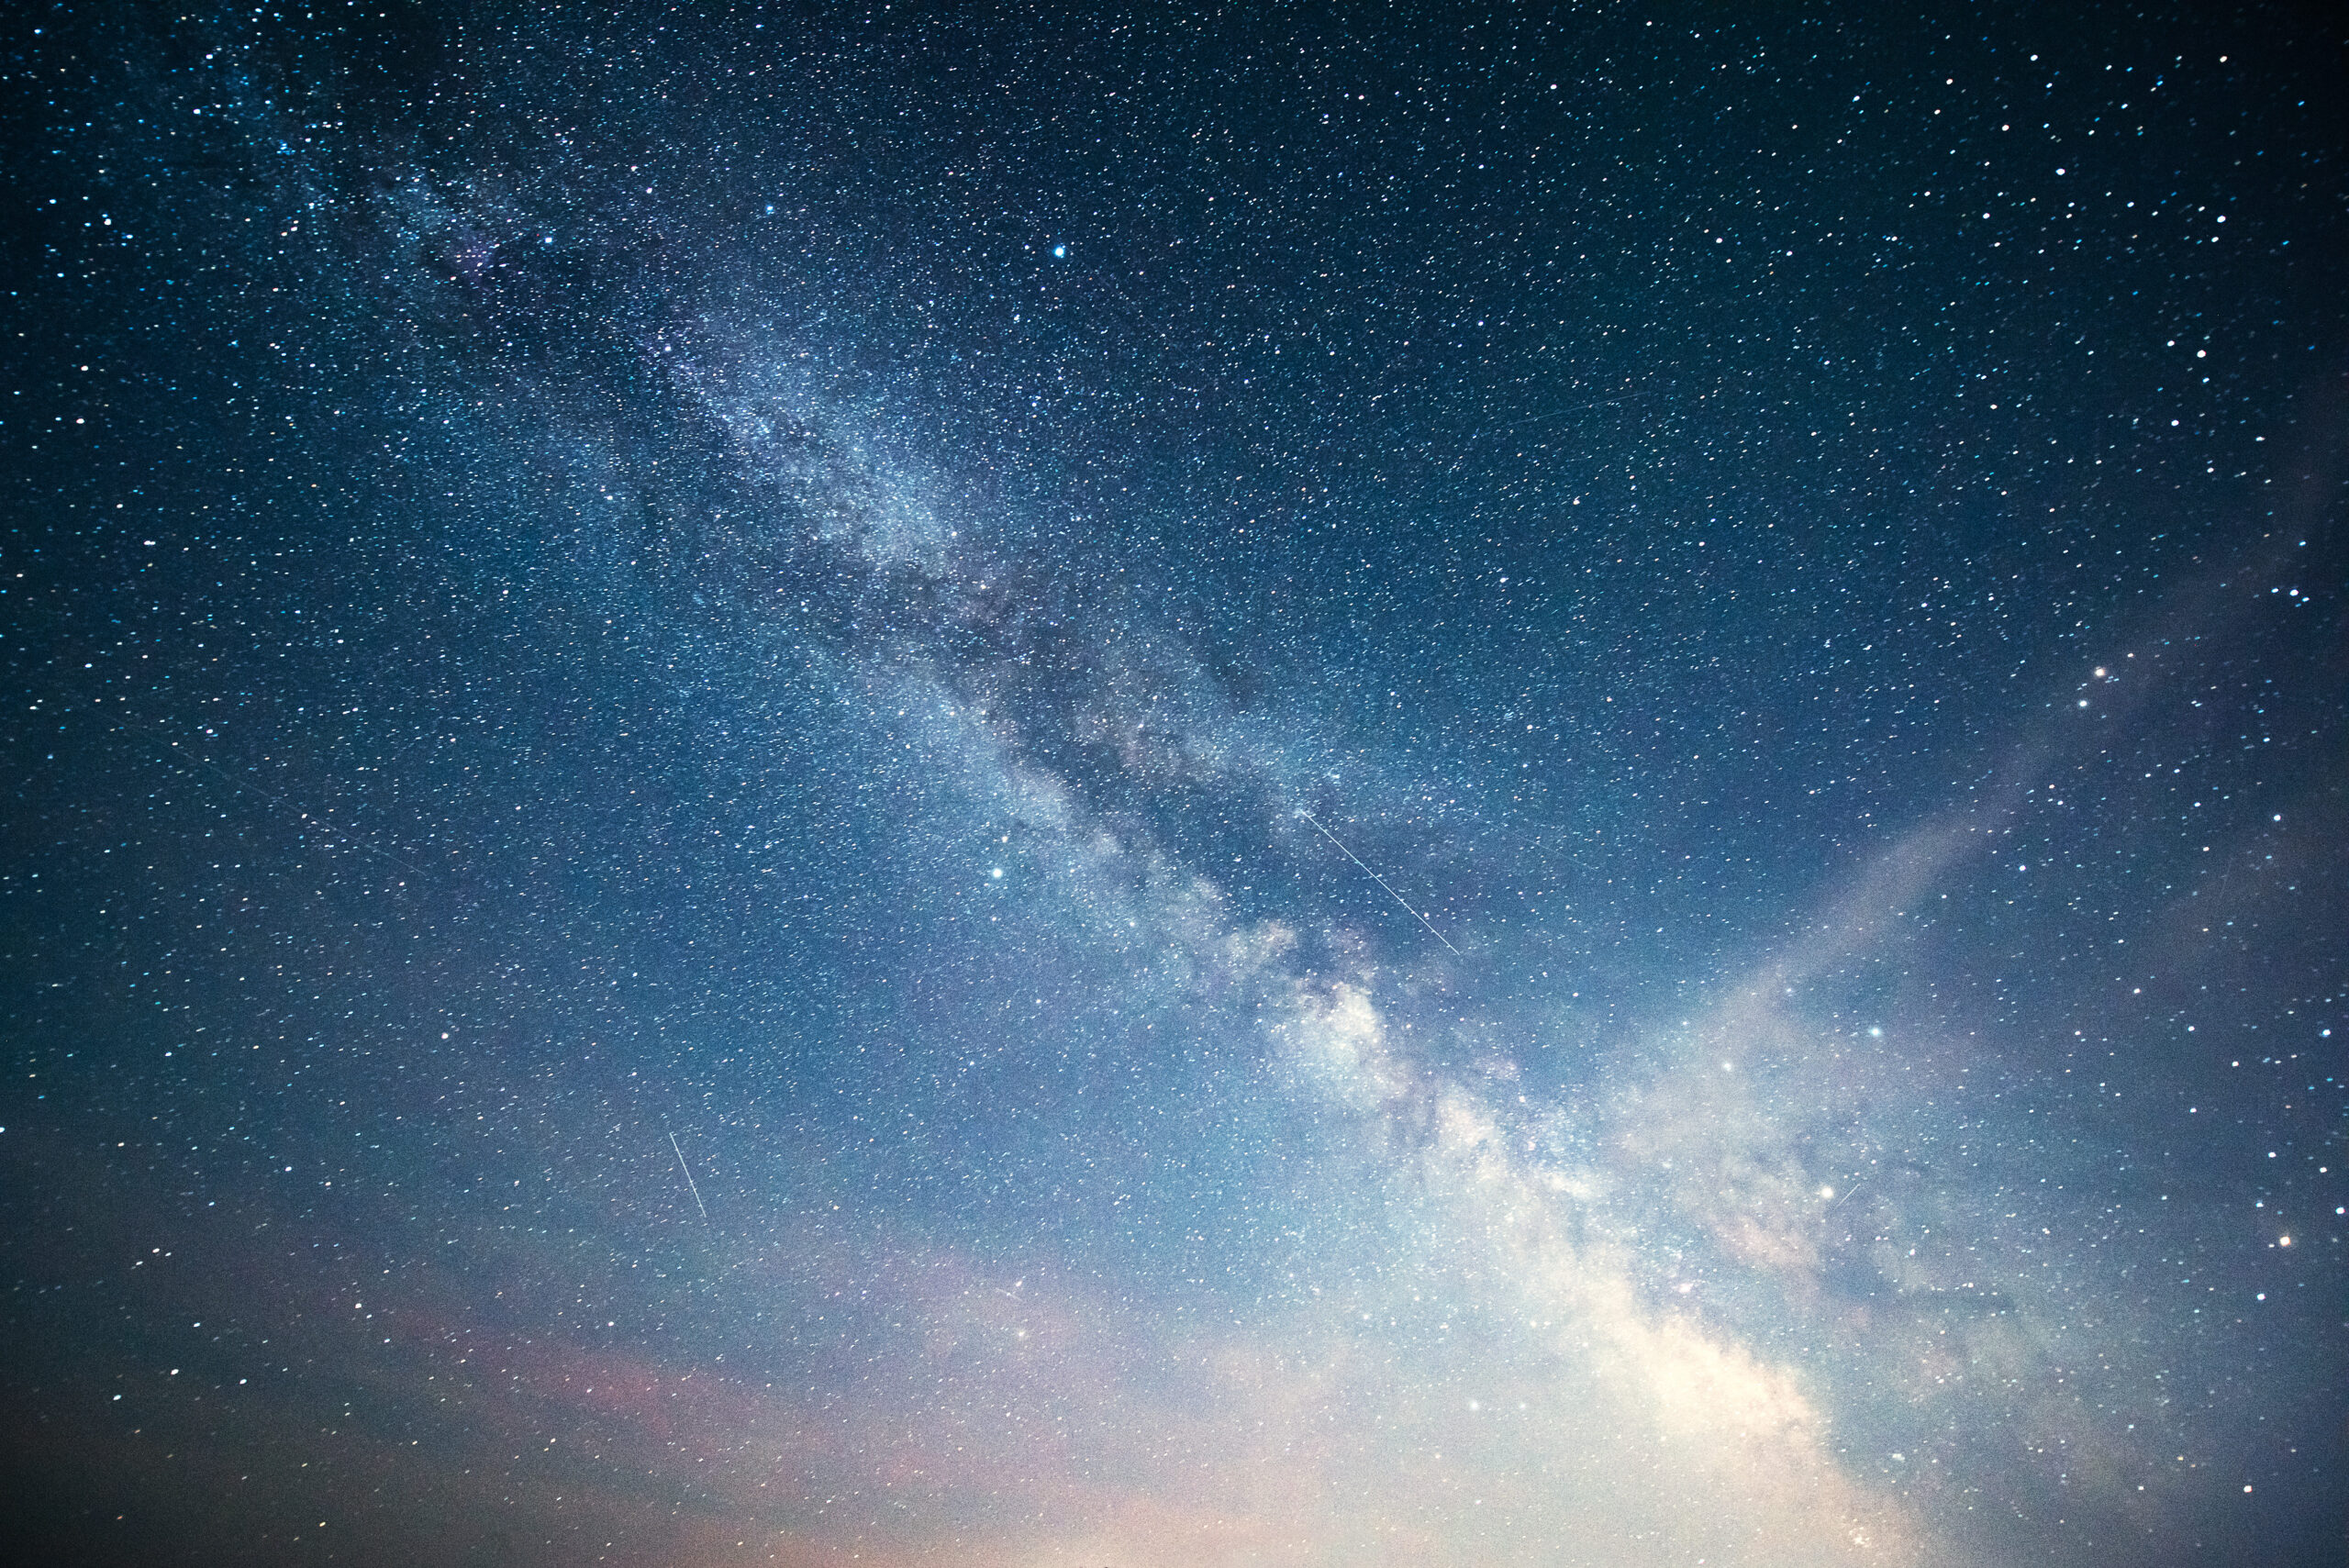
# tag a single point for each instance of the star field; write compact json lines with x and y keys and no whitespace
{"x":1438,"y":785}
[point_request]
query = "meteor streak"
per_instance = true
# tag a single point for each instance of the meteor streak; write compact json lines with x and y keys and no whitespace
{"x":1373,"y":876}
{"x":688,"y":1170}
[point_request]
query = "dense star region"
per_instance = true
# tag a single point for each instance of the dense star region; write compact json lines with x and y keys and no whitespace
{"x":1171,"y":789}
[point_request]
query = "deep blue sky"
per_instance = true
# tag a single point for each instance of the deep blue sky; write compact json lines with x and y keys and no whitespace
{"x":808,"y":598}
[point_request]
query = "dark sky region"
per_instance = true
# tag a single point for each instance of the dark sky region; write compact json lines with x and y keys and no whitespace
{"x":1283,"y":786}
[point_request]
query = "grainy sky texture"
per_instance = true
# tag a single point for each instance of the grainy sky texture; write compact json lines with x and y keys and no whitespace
{"x":1173,"y":789}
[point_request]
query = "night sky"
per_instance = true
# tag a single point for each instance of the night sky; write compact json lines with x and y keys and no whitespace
{"x":1170,"y":789}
